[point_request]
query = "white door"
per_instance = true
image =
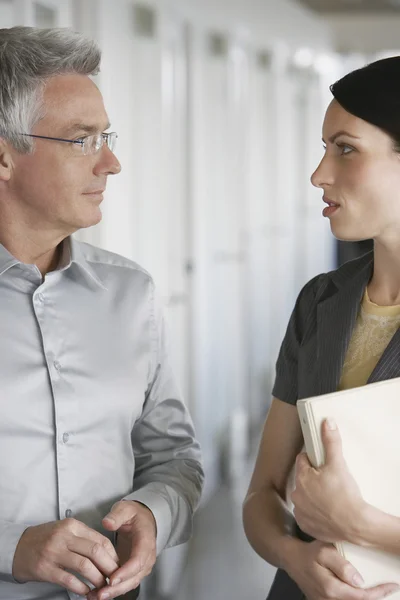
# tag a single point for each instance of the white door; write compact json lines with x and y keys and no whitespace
{"x":260,"y":249}
{"x":176,"y":192}
{"x":43,"y":13}
{"x":220,"y":172}
{"x":6,"y":13}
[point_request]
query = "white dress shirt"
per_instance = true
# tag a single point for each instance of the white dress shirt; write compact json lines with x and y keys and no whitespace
{"x":89,"y":409}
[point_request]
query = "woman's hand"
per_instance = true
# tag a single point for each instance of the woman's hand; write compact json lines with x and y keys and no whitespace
{"x":327,"y":501}
{"x":323,"y":574}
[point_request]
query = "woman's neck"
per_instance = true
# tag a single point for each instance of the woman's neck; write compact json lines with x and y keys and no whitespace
{"x":384,"y":287}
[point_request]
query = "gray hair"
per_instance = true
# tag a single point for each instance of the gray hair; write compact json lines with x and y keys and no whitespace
{"x":28,"y":58}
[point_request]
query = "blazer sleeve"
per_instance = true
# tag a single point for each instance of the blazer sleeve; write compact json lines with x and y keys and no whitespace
{"x":286,"y":379}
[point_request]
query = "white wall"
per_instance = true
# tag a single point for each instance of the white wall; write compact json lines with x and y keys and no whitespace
{"x":267,"y":21}
{"x":236,"y":211}
{"x":234,"y":292}
{"x":216,"y":151}
{"x":368,"y":34}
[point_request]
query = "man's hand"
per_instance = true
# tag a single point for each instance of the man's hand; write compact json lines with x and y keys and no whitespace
{"x":136,"y":547}
{"x":45,"y":552}
{"x":327,"y":501}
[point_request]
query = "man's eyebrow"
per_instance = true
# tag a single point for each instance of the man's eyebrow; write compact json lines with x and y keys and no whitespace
{"x":90,"y":129}
{"x":339,"y":133}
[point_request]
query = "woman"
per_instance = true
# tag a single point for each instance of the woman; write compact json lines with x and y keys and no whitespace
{"x":343,"y":333}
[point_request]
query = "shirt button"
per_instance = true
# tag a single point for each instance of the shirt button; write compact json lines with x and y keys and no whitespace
{"x":57,"y":365}
{"x":65,"y":437}
{"x":68,"y":513}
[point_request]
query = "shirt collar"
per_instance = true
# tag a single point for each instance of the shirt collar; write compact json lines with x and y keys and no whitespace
{"x":7,"y":260}
{"x":73,"y":253}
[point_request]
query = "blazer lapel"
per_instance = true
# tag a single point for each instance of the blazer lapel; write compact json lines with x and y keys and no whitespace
{"x":336,"y":317}
{"x":388,"y":365}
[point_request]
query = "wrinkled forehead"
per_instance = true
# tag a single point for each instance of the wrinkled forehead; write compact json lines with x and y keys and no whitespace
{"x":72,"y":99}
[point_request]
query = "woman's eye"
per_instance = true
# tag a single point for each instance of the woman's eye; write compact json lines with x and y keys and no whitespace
{"x":344,"y":149}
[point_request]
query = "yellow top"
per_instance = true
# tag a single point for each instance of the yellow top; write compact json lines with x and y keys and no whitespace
{"x":375,"y":327}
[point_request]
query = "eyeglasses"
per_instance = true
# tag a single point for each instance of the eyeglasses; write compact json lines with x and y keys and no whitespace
{"x":89,"y":145}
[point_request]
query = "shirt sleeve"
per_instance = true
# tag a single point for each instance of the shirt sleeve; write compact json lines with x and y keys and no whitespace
{"x":10,"y":534}
{"x":168,"y":470}
{"x":286,"y":380}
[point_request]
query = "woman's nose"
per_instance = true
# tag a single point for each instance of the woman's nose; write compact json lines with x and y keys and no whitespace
{"x":323,"y":174}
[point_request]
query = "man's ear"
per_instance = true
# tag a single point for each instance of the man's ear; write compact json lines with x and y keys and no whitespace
{"x":6,"y":161}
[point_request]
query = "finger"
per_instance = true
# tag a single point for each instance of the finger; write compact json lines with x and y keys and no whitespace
{"x":123,"y":587}
{"x":86,"y":532}
{"x":132,"y":568}
{"x":381,"y":591}
{"x":332,"y":442}
{"x":96,"y":553}
{"x":84,"y":566}
{"x":331,"y":559}
{"x":302,"y":461}
{"x":67,"y":580}
{"x":135,"y":556}
{"x":114,"y":591}
{"x":338,"y":589}
{"x":121,"y":513}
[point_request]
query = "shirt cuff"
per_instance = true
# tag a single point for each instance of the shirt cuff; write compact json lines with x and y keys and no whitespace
{"x":161,"y":512}
{"x":10,"y":534}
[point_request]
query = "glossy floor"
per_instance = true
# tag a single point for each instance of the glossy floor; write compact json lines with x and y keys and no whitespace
{"x":221,"y":564}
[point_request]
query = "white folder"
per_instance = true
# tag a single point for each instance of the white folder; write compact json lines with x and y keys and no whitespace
{"x":368,"y":419}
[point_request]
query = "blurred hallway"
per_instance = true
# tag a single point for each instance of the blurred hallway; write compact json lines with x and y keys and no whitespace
{"x":221,"y":563}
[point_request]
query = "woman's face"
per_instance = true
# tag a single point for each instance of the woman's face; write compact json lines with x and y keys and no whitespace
{"x":360,"y":177}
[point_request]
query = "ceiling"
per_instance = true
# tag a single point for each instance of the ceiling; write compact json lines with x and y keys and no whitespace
{"x":353,"y":6}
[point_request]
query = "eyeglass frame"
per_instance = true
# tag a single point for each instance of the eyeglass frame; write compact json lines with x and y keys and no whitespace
{"x":81,"y":141}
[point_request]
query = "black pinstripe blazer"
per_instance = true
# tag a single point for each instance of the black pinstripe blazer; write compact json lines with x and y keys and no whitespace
{"x":313,"y":351}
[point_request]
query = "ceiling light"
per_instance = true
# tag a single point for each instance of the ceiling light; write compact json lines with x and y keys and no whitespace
{"x":303,"y":58}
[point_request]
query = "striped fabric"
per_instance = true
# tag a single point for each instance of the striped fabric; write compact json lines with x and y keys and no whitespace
{"x":314,"y":348}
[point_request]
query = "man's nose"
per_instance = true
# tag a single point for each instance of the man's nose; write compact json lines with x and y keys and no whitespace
{"x":108,"y":163}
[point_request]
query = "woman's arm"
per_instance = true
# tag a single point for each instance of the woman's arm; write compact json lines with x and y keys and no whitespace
{"x":317,"y":568}
{"x":379,"y":530}
{"x":267,"y":521}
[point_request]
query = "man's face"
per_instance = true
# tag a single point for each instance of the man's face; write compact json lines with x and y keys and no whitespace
{"x":57,"y":187}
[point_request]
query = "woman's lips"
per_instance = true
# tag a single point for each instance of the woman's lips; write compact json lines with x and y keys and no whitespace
{"x":331,"y":208}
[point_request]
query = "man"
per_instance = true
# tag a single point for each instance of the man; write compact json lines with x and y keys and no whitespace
{"x":95,"y":442}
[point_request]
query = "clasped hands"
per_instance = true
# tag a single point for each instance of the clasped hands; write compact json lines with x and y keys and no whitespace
{"x":54,"y":551}
{"x":136,"y":548}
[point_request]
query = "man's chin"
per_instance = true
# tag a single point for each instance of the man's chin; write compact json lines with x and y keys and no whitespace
{"x":93,"y":219}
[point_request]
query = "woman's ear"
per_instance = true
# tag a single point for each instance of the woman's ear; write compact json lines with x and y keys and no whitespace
{"x":6,"y":161}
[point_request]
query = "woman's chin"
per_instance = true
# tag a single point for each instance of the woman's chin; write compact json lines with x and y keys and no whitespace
{"x":345,"y":234}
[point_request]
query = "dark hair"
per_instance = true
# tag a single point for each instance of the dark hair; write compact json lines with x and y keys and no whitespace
{"x":372,"y":93}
